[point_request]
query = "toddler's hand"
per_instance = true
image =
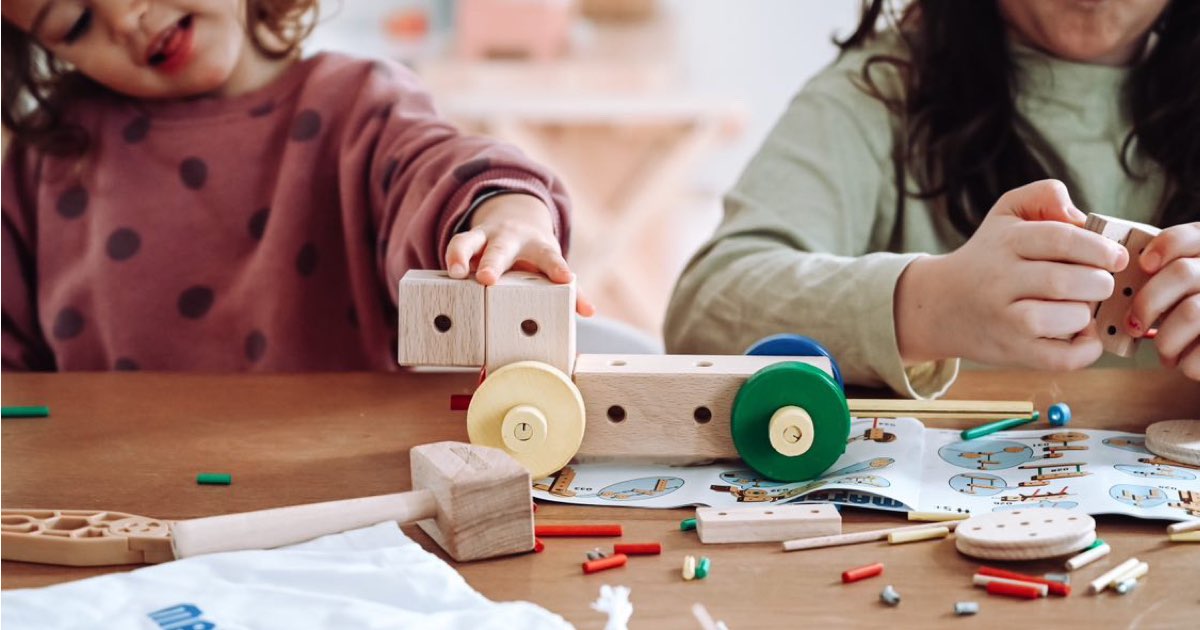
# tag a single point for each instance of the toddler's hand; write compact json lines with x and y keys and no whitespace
{"x":512,"y":231}
{"x":1019,"y":292}
{"x":1172,"y":295}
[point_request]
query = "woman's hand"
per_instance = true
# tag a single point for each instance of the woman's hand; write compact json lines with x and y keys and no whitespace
{"x":512,"y":231}
{"x":1171,"y":296}
{"x":1019,"y":292}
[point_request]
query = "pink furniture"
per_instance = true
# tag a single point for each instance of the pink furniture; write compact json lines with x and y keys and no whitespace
{"x":538,"y":29}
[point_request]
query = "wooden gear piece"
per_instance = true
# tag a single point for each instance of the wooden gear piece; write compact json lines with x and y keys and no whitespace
{"x":1026,"y":534}
{"x":531,"y":411}
{"x":83,"y":538}
{"x":475,"y":502}
{"x":1176,"y":440}
{"x":1110,"y":314}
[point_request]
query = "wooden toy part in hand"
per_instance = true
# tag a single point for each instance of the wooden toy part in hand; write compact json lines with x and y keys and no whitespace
{"x":1110,"y":314}
{"x":474,"y":501}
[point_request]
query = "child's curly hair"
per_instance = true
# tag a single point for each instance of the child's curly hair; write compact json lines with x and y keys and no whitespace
{"x":37,"y":86}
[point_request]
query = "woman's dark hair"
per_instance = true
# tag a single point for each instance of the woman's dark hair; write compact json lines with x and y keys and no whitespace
{"x":959,"y":118}
{"x":37,"y":87}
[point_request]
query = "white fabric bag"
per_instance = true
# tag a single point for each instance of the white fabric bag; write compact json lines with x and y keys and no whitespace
{"x":370,"y":578}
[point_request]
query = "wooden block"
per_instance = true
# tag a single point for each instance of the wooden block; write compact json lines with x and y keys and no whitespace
{"x":530,"y":318}
{"x":668,"y":409}
{"x":1110,"y":314}
{"x":441,"y":320}
{"x":484,"y":499}
{"x":770,"y":523}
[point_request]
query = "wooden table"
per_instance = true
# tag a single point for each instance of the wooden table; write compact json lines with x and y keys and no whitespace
{"x":134,"y":443}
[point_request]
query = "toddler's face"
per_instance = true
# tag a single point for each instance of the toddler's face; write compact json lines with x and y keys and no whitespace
{"x":143,"y":48}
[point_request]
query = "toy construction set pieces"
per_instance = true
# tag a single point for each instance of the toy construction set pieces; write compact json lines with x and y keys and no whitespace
{"x":785,"y":416}
{"x":1025,"y":534}
{"x":448,"y":322}
{"x":1110,"y":313}
{"x":472,"y":500}
{"x":771,"y":523}
{"x":1176,"y":440}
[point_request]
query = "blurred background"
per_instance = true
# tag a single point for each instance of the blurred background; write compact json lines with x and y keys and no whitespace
{"x":648,"y":109}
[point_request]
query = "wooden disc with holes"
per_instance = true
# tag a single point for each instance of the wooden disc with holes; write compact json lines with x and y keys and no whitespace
{"x":790,"y":421}
{"x":1025,"y":534}
{"x":1177,"y":440}
{"x":531,"y":411}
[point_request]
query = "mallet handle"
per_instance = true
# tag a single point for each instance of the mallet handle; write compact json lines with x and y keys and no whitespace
{"x":266,"y":529}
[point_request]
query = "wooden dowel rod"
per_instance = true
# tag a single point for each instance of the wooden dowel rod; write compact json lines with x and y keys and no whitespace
{"x":968,"y":409}
{"x":857,"y":537}
{"x":267,"y":529}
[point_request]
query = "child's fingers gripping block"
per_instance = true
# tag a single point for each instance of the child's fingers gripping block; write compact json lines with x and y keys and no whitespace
{"x":441,"y":320}
{"x":1110,"y":314}
{"x":530,"y":318}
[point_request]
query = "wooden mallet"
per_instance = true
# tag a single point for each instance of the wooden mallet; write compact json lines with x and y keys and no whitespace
{"x":474,"y":501}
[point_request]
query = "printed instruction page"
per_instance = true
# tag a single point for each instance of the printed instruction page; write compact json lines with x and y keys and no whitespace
{"x":898,"y":464}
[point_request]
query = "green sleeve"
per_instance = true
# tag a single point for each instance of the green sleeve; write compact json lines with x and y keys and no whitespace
{"x":803,"y":245}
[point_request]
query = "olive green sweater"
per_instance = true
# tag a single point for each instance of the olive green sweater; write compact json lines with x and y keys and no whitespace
{"x":815,"y":235}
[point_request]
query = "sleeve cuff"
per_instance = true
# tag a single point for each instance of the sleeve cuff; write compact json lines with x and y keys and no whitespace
{"x":494,"y":183}
{"x":877,"y":329}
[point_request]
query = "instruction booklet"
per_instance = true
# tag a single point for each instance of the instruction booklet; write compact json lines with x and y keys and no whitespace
{"x":898,"y":464}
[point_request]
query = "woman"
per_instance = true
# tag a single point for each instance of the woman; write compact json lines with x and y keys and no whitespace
{"x":916,"y":203}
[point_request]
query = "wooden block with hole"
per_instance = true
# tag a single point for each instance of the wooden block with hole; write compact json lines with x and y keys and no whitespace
{"x":530,"y":318}
{"x":1110,"y":314}
{"x":441,"y":320}
{"x":667,"y":409}
{"x":768,"y":523}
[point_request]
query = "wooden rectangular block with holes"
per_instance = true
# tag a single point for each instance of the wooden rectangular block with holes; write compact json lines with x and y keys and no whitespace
{"x":668,"y":409}
{"x":768,"y":523}
{"x":441,"y":320}
{"x":530,"y":318}
{"x":1110,"y":314}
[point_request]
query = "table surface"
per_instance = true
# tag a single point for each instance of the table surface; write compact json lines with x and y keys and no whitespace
{"x":133,"y":442}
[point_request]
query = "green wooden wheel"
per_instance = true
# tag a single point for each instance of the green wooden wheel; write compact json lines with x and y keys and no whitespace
{"x":790,"y":421}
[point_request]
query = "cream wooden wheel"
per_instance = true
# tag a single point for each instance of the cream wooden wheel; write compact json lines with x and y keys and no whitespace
{"x":531,"y":411}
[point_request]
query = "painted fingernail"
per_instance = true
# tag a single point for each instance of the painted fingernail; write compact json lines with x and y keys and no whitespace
{"x":1150,"y":261}
{"x":1135,"y":326}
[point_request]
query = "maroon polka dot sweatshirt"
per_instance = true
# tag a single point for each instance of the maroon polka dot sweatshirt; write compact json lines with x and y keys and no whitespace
{"x":265,"y":232}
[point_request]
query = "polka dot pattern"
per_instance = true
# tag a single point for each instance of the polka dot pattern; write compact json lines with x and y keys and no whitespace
{"x":123,"y":244}
{"x":469,"y":170}
{"x":72,"y":203}
{"x":125,"y":364}
{"x":255,"y":346}
{"x":257,"y":225}
{"x":136,"y":130}
{"x":258,"y":111}
{"x":306,"y":260}
{"x":194,"y":172}
{"x":306,"y":126}
{"x":195,"y":301}
{"x":68,"y":324}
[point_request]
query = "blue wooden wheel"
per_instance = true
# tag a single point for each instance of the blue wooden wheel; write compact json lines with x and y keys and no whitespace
{"x":792,"y":345}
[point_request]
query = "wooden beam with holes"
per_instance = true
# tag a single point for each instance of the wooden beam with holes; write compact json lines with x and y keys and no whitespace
{"x":1110,"y":314}
{"x":664,"y":408}
{"x":768,"y":523}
